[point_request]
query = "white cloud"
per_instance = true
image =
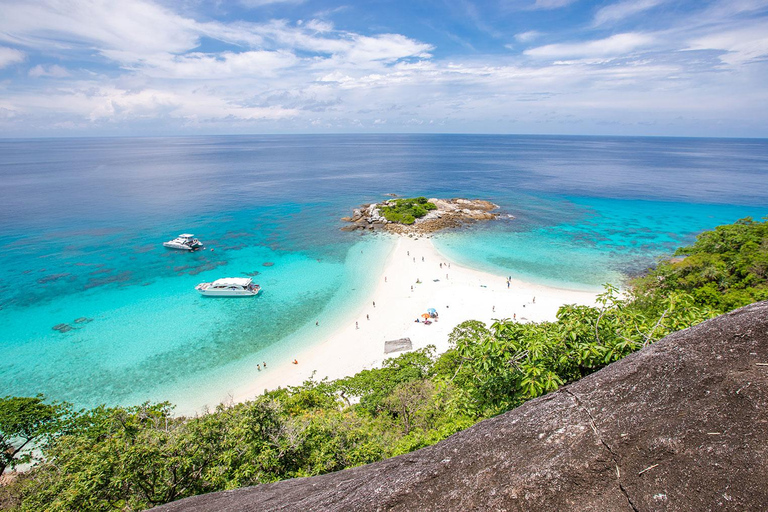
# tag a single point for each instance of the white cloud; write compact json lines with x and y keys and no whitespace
{"x":131,"y":27}
{"x":99,"y":103}
{"x":252,"y":4}
{"x":347,"y":48}
{"x":318,"y":25}
{"x":721,"y":9}
{"x":386,"y":48}
{"x":621,"y":10}
{"x":618,"y":44}
{"x":552,"y":4}
{"x":224,"y":65}
{"x":10,"y":56}
{"x":54,"y":71}
{"x":313,"y":75}
{"x":143,"y":36}
{"x":741,"y":45}
{"x":527,"y":37}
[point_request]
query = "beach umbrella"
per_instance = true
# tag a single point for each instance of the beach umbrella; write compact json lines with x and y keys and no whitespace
{"x":431,"y":310}
{"x":425,"y":315}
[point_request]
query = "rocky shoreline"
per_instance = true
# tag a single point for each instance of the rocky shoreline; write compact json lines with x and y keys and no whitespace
{"x":450,"y":213}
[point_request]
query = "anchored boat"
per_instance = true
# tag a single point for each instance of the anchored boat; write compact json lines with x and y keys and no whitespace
{"x":184,"y":242}
{"x":229,"y":287}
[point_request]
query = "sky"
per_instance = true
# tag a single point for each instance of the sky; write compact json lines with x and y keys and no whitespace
{"x":184,"y":67}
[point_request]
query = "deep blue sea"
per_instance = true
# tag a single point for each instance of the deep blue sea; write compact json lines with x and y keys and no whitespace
{"x":82,"y":222}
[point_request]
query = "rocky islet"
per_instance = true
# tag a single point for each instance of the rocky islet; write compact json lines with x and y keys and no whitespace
{"x":450,"y":213}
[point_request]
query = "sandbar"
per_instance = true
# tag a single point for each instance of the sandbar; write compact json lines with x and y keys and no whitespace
{"x":457,"y":293}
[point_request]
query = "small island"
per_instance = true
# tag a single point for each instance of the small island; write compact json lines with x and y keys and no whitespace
{"x":419,"y":215}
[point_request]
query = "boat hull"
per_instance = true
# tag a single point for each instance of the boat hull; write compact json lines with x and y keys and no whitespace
{"x":228,"y":293}
{"x":227,"y":290}
{"x":180,"y":247}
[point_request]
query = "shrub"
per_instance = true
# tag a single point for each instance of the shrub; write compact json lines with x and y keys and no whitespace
{"x":406,"y":211}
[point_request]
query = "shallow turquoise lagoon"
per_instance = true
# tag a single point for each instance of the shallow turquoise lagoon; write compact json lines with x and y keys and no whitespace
{"x":161,"y":340}
{"x":599,"y":241}
{"x":82,"y":222}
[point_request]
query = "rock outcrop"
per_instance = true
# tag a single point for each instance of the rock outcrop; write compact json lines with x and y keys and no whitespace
{"x":450,"y":213}
{"x":679,"y":425}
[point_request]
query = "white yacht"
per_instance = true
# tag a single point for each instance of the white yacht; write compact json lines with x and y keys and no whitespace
{"x":229,"y":287}
{"x":185,"y":242}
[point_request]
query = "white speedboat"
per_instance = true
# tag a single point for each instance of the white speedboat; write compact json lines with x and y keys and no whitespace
{"x":229,"y":287}
{"x":185,"y":242}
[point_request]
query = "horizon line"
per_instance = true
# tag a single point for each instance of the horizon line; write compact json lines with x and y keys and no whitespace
{"x":378,"y":134}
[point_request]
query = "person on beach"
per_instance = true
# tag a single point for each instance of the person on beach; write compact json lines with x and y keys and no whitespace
{"x":408,"y":252}
{"x":258,"y":367}
{"x":507,"y":284}
{"x":493,"y":308}
{"x":367,"y":317}
{"x":514,"y":316}
{"x":317,"y":323}
{"x":422,"y":258}
{"x":414,"y":259}
{"x":441,"y":265}
{"x":295,"y":361}
{"x":385,"y":279}
{"x":264,"y":364}
{"x":534,"y":300}
{"x":374,"y":303}
{"x":411,"y":287}
{"x":356,"y":326}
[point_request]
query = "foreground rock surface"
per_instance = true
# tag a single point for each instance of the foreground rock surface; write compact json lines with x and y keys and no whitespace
{"x":680,"y":425}
{"x":450,"y":213}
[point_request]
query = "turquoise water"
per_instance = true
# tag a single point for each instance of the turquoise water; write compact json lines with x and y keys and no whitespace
{"x":82,"y":223}
{"x":606,"y":241}
{"x":152,"y":336}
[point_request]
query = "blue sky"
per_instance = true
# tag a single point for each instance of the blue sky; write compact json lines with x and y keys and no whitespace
{"x":623,"y":67}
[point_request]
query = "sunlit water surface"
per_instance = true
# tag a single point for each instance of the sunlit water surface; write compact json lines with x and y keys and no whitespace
{"x":83,"y":220}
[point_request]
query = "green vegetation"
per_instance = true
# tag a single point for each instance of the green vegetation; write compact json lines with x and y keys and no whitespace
{"x":136,"y":457}
{"x":27,"y":422}
{"x":406,"y":211}
{"x":725,"y":269}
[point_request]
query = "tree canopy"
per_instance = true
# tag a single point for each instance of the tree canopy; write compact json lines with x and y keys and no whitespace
{"x":724,"y":269}
{"x":26,"y":423}
{"x":406,"y":211}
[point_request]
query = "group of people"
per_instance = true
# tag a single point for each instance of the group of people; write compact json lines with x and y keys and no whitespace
{"x":427,"y":320}
{"x":427,"y":316}
{"x":367,"y":317}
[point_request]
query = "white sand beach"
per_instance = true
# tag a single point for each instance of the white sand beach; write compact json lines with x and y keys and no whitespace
{"x":457,"y":293}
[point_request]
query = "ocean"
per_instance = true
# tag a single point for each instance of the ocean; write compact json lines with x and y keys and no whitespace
{"x":83,"y":220}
